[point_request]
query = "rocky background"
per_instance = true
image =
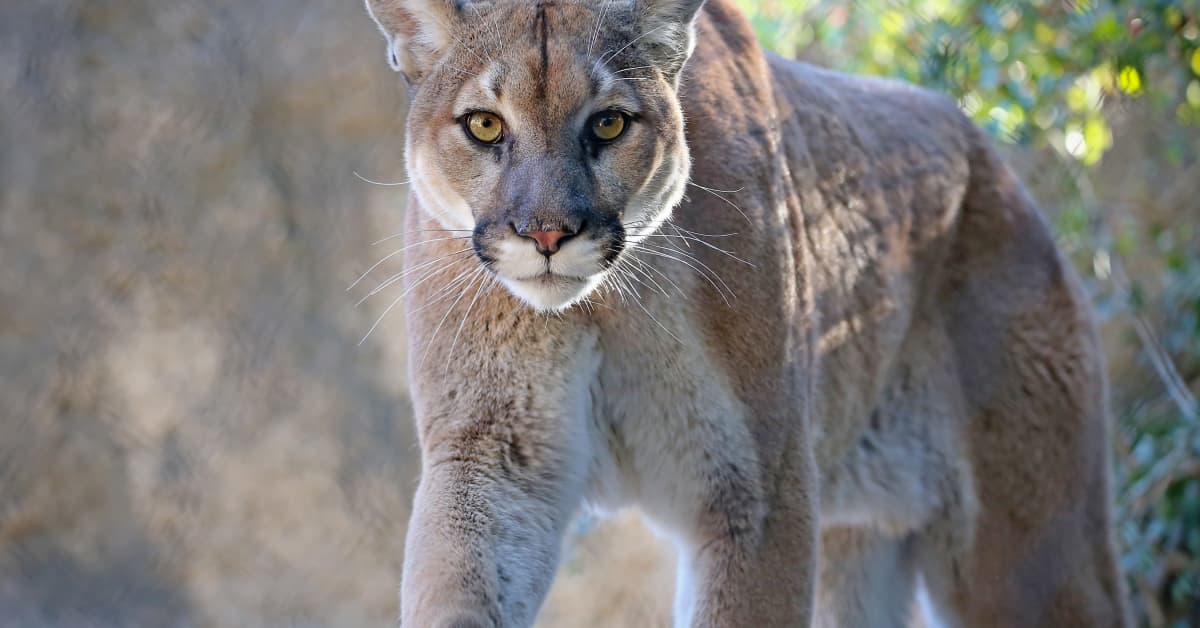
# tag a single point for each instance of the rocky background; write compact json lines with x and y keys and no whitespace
{"x":190,"y":434}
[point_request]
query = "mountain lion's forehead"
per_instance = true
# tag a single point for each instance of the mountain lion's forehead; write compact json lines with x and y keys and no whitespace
{"x":576,"y":24}
{"x":549,"y":95}
{"x":578,"y":13}
{"x":548,"y":69}
{"x":548,"y":59}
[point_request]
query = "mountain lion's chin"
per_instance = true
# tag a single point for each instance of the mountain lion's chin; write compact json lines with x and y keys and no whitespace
{"x":550,"y":292}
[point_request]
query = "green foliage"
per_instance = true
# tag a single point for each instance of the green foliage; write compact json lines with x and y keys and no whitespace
{"x":1159,"y":448}
{"x":1055,"y":77}
{"x":1034,"y":71}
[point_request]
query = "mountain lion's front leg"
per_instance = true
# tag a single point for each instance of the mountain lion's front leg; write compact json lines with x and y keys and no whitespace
{"x":504,"y":455}
{"x":754,"y":564}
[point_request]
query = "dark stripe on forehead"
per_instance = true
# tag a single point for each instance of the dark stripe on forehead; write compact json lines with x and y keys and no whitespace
{"x":543,"y":35}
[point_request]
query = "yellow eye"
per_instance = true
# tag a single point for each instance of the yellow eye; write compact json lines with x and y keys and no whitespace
{"x":485,"y":127}
{"x":607,"y":126}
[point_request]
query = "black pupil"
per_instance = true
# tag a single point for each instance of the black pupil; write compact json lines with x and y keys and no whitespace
{"x":486,"y":122}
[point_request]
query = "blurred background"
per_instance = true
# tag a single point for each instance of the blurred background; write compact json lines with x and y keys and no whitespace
{"x":191,"y":434}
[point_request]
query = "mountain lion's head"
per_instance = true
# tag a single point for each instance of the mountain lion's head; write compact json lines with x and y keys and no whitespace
{"x":549,"y":129}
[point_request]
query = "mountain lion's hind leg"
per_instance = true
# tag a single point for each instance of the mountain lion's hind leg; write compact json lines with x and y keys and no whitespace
{"x":1030,"y":363}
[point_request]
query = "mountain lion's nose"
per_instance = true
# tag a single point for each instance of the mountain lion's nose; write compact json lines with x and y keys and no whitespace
{"x":548,"y":240}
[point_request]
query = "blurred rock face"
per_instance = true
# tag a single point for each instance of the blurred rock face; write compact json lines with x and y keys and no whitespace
{"x":191,"y":435}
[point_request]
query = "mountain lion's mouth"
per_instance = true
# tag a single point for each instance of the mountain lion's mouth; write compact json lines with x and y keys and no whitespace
{"x":549,"y":291}
{"x":548,"y":277}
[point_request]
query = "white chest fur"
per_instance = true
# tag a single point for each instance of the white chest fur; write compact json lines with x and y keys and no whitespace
{"x":666,"y":426}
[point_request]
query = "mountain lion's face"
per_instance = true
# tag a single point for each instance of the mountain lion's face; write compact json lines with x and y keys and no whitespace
{"x":550,"y":130}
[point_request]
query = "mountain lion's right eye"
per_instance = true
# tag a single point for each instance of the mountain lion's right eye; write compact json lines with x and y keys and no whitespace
{"x":484,"y":127}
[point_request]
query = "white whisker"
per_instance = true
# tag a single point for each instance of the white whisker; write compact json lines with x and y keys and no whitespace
{"x":657,"y":322}
{"x":460,"y":70}
{"x":608,"y":58}
{"x":393,"y":254}
{"x":688,"y":239}
{"x":626,"y":278}
{"x":715,"y":189}
{"x":433,"y":337}
{"x":705,"y":235}
{"x":693,"y":267}
{"x":397,"y":300}
{"x":666,"y":277}
{"x":640,"y":223}
{"x":599,"y":24}
{"x":447,"y":291}
{"x":694,"y":259}
{"x":614,"y":280}
{"x":652,"y":286}
{"x":416,"y":284}
{"x":401,"y":234}
{"x":404,"y":273}
{"x":680,"y":233}
{"x":486,"y":281}
{"x":379,"y":320}
{"x":493,"y":27}
{"x":717,"y":193}
{"x":382,"y":183}
{"x":639,"y":268}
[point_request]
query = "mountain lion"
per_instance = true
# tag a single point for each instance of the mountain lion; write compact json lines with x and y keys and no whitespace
{"x":810,"y":324}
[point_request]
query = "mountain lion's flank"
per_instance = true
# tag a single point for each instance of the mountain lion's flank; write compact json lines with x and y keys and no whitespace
{"x":810,"y":324}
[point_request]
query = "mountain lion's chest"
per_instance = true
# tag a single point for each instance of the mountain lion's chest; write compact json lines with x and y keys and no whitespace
{"x":667,"y":424}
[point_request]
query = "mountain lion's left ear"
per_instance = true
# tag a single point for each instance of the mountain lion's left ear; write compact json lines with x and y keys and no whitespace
{"x":667,"y":30}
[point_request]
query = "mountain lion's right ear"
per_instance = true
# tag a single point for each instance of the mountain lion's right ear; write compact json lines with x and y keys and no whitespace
{"x":417,"y":32}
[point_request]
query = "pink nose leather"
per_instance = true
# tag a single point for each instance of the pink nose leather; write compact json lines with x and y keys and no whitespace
{"x":547,"y":241}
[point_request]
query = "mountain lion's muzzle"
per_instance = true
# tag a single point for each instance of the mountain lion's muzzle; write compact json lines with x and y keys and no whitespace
{"x":547,"y":235}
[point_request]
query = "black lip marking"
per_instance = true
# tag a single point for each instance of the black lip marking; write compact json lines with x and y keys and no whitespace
{"x":478,"y":246}
{"x":616,"y":244}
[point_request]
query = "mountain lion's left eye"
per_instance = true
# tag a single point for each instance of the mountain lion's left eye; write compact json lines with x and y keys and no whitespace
{"x":606,"y":126}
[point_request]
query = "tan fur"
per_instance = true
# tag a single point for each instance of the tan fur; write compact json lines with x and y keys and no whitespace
{"x":899,"y":372}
